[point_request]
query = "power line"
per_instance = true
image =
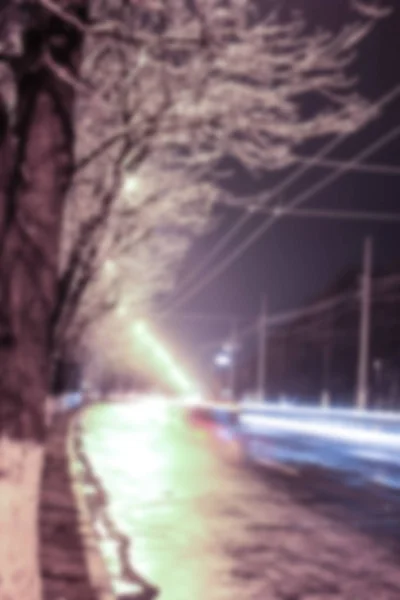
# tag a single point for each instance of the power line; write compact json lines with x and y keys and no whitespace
{"x":286,"y":317}
{"x":387,"y":281}
{"x":341,"y":329}
{"x":349,"y":215}
{"x":315,"y":328}
{"x":292,"y":315}
{"x":283,"y":318}
{"x":206,"y":317}
{"x":311,"y":332}
{"x":382,"y":282}
{"x":387,"y":299}
{"x":301,"y":198}
{"x":369,"y":168}
{"x":281,"y":187}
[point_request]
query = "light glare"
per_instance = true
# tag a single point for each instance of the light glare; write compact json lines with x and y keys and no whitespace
{"x":163,"y":360}
{"x":131,"y":184}
{"x":223,"y":360}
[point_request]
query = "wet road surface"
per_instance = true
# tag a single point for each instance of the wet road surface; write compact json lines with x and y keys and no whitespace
{"x":204,"y":524}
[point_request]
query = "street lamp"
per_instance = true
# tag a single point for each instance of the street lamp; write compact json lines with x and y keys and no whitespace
{"x":225,"y":359}
{"x":222,"y":359}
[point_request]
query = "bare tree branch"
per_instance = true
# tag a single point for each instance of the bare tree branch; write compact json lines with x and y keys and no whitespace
{"x":65,"y":15}
{"x":181,"y":87}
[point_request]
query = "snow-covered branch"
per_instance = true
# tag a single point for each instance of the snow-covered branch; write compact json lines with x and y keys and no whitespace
{"x":177,"y":87}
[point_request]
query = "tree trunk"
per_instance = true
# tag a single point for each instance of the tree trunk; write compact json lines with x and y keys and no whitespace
{"x":31,"y":217}
{"x":6,"y":153}
{"x":21,"y":465}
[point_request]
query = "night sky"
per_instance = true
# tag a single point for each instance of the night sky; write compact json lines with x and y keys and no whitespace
{"x":298,"y":258}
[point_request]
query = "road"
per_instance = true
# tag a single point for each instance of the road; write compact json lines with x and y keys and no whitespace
{"x":364,"y":446}
{"x":205,"y":523}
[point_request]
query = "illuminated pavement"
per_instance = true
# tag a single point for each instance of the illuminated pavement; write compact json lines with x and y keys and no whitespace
{"x":206,"y":525}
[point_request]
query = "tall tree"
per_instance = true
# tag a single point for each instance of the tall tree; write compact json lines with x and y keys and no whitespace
{"x":35,"y":174}
{"x":147,"y":232}
{"x":177,"y":87}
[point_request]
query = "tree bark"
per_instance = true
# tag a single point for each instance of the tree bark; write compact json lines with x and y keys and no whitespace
{"x":31,"y":215}
{"x":5,"y":164}
{"x":21,"y":466}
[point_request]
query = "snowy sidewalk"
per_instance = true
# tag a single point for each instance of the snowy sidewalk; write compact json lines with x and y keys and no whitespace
{"x":63,"y":563}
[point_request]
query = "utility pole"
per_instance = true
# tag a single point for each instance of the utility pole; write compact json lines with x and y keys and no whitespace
{"x":233,"y":353}
{"x":262,"y":350}
{"x":283,"y":373}
{"x":365,"y":327}
{"x":326,"y":364}
{"x":326,"y":358}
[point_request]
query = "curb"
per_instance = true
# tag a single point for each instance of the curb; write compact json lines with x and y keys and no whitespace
{"x":97,"y":571}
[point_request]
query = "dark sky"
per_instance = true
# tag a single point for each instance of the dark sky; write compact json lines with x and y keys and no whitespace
{"x":298,"y":258}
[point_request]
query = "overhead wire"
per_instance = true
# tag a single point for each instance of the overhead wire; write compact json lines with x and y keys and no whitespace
{"x":299,"y":199}
{"x":332,"y":214}
{"x":370,"y":168}
{"x":207,"y":317}
{"x":386,"y":281}
{"x":283,"y":318}
{"x":291,"y":315}
{"x":287,"y":316}
{"x":381,"y":283}
{"x":282,"y":186}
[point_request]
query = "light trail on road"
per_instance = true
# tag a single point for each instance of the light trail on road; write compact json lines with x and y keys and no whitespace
{"x":363,"y":445}
{"x":203,"y":525}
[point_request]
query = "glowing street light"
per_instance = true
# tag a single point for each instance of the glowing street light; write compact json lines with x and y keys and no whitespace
{"x":226,"y":359}
{"x":223,"y":360}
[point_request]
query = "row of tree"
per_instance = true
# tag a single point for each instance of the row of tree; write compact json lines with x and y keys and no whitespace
{"x":115,"y":117}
